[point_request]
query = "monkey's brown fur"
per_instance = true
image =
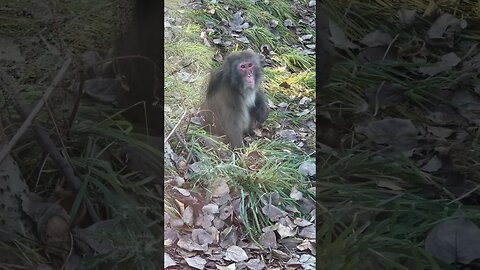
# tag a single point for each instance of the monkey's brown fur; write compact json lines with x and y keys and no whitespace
{"x":232,"y":107}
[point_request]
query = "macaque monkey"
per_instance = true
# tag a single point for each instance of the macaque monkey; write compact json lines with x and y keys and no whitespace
{"x":235,"y":104}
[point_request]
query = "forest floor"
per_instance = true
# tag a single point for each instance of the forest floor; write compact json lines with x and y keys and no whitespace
{"x":113,"y":221}
{"x":399,"y":156}
{"x":252,"y":208}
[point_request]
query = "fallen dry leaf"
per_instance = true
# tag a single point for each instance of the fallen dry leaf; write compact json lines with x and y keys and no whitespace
{"x":273,"y":212}
{"x":308,"y":232}
{"x":186,"y":243}
{"x":168,"y":261}
{"x":255,"y":264}
{"x":196,"y":262}
{"x":295,"y":194}
{"x":285,"y":231}
{"x":389,"y":185}
{"x":236,"y":254}
{"x":220,"y":189}
{"x":454,"y":240}
{"x":268,"y":239}
{"x":96,"y":237}
{"x":201,"y":237}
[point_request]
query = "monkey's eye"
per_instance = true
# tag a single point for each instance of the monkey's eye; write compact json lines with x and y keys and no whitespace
{"x":242,"y":66}
{"x":250,"y":64}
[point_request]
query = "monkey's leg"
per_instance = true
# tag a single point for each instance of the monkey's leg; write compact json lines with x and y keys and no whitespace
{"x":235,"y":136}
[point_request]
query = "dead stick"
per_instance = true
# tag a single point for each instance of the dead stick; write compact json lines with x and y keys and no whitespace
{"x":174,"y":128}
{"x":180,"y":139}
{"x":42,"y":137}
{"x":29,"y":119}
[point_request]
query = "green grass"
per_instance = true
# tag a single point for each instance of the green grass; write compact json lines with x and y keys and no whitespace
{"x":277,"y":171}
{"x":276,"y":167}
{"x":97,"y":141}
{"x":258,"y":16}
{"x":362,"y":224}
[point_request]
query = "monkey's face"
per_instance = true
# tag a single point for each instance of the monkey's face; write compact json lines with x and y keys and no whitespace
{"x":246,"y":70}
{"x":243,"y":71}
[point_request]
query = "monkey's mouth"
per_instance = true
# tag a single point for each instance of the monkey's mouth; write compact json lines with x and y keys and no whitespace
{"x":250,"y":81}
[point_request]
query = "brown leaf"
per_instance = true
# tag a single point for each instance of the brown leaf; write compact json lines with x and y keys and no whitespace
{"x":236,"y":254}
{"x":308,"y":232}
{"x":56,"y":235}
{"x":204,"y":221}
{"x":218,"y":223}
{"x":255,"y":264}
{"x":454,"y":240}
{"x":306,"y":205}
{"x":201,"y":237}
{"x":433,"y":165}
{"x":306,"y":244}
{"x":220,"y":189}
{"x":187,"y":216}
{"x":440,"y":132}
{"x":228,"y":267}
{"x":188,"y":244}
{"x":196,"y":262}
{"x":442,"y":30}
{"x":95,"y":238}
{"x":389,"y":185}
{"x":301,"y":222}
{"x":268,"y":239}
{"x":13,"y":221}
{"x":285,"y":231}
{"x":376,"y":38}
{"x":228,"y":237}
{"x":399,"y":133}
{"x":210,"y":209}
{"x":384,"y":96}
{"x":446,"y":63}
{"x":226,"y":212}
{"x":339,"y":38}
{"x":273,"y":212}
{"x":52,"y":223}
{"x":295,"y":194}
{"x":168,"y":261}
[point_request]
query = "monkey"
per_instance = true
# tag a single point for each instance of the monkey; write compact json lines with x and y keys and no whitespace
{"x":235,"y":104}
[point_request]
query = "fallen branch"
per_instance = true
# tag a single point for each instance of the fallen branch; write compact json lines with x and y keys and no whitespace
{"x":29,"y":118}
{"x":174,"y":128}
{"x":42,"y":137}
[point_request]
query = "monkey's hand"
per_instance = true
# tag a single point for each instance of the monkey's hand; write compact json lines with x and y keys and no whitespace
{"x":235,"y":137}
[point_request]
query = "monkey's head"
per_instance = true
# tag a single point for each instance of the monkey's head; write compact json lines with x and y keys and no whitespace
{"x":244,"y":70}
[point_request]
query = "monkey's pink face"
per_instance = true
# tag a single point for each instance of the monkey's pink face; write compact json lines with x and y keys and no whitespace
{"x":246,"y":69}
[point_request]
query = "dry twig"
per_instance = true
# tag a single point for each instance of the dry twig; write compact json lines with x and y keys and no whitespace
{"x":42,"y":137}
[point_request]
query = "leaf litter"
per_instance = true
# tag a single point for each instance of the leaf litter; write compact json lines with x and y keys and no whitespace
{"x":207,"y":231}
{"x":414,"y":119}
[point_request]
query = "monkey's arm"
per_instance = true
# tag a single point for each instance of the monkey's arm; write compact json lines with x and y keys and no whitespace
{"x":260,"y":112}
